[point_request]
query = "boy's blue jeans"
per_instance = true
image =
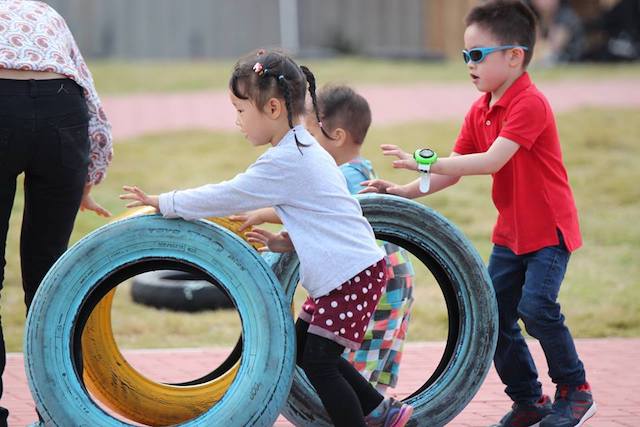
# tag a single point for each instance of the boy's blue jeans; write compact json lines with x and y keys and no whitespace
{"x":527,"y":288}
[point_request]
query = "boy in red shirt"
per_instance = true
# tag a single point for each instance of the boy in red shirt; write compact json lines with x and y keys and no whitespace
{"x":510,"y":133}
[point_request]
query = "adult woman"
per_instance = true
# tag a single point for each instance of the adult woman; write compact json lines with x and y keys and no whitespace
{"x":52,"y":129}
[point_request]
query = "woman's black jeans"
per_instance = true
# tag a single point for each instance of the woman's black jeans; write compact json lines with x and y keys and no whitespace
{"x":43,"y":134}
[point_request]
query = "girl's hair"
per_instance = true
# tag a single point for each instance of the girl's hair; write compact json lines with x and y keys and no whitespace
{"x":341,"y":106}
{"x":510,"y":21}
{"x":263,"y":74}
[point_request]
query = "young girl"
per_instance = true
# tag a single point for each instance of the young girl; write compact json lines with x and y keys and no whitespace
{"x":341,"y":128}
{"x":341,"y":266}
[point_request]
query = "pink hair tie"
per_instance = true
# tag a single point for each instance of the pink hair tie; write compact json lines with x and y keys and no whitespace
{"x":320,"y":124}
{"x":259,"y":69}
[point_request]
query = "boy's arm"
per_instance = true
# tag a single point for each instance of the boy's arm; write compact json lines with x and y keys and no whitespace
{"x":438,"y":182}
{"x":410,"y":190}
{"x":485,"y":163}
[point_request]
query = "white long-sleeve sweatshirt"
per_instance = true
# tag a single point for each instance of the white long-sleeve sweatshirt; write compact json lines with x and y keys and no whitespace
{"x":333,"y":240}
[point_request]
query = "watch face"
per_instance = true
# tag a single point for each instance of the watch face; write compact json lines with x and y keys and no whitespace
{"x":426,"y":153}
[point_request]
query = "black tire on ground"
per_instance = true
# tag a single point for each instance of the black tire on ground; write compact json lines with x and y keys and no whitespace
{"x":178,"y":291}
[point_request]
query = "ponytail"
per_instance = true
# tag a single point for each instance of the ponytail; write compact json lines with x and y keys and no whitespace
{"x":288,"y":102}
{"x":311,"y":79}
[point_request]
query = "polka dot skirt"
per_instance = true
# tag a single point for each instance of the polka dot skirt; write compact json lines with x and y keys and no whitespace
{"x":343,"y":314}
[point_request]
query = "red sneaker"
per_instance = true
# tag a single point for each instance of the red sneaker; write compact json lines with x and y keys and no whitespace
{"x":573,"y":406}
{"x":526,"y":414}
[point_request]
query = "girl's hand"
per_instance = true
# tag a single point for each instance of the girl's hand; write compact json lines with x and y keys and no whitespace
{"x":89,"y":204}
{"x":139,"y":197}
{"x":274,"y":242}
{"x":248,"y":219}
{"x":406,"y":160}
{"x":383,"y":187}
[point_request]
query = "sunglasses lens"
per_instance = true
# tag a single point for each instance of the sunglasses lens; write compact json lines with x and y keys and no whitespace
{"x":465,"y":57}
{"x":476,"y":55}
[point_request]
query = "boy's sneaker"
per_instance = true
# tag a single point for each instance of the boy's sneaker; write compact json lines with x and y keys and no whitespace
{"x":526,"y":414}
{"x":572,"y":407}
{"x":390,"y":413}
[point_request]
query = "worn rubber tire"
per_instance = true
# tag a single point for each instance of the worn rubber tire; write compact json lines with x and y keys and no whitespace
{"x":90,"y":269}
{"x":178,"y":291}
{"x":106,"y":370}
{"x":471,"y":306}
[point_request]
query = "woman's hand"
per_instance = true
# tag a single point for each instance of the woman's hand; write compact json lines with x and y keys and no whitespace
{"x":405,"y":160}
{"x":87,"y":203}
{"x":273,"y":242}
{"x":139,"y":197}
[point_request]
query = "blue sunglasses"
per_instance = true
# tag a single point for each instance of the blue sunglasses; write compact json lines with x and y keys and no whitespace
{"x":478,"y":54}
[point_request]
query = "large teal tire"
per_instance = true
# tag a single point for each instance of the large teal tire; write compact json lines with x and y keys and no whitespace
{"x":117,"y":251}
{"x":471,"y":306}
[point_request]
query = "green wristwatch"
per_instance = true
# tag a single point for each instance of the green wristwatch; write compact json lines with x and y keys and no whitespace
{"x":425,"y":158}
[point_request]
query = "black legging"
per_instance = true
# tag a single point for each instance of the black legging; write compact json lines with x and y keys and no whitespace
{"x":346,"y":395}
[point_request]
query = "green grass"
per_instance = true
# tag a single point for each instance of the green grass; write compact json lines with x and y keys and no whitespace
{"x":601,"y":292}
{"x":124,"y":78}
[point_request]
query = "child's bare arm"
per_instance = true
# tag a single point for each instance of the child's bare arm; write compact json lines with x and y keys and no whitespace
{"x":489,"y":162}
{"x":410,"y":190}
{"x":438,"y":182}
{"x":485,"y":163}
{"x":139,"y":197}
{"x":274,"y":242}
{"x":257,"y":217}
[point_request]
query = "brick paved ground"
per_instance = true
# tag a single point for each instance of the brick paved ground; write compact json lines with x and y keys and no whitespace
{"x":134,"y":115}
{"x":611,"y":369}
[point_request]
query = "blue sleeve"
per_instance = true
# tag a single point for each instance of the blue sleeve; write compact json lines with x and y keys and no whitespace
{"x":354,"y":177}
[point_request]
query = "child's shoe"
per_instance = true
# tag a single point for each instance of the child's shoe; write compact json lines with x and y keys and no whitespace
{"x":572,"y":407}
{"x":526,"y":414}
{"x":390,"y":413}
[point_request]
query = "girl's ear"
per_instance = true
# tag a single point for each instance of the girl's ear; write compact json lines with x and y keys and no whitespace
{"x":274,"y":108}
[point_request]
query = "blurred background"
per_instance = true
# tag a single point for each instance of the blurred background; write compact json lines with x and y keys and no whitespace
{"x":576,"y":30}
{"x":161,"y":68}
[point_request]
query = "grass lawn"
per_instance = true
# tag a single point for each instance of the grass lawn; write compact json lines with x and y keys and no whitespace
{"x":123,"y":78}
{"x":600,"y":295}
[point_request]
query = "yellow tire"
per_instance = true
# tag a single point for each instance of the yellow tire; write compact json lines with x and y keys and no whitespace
{"x":110,"y":378}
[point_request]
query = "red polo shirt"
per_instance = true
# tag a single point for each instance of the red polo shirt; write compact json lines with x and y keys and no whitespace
{"x":531,"y":191}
